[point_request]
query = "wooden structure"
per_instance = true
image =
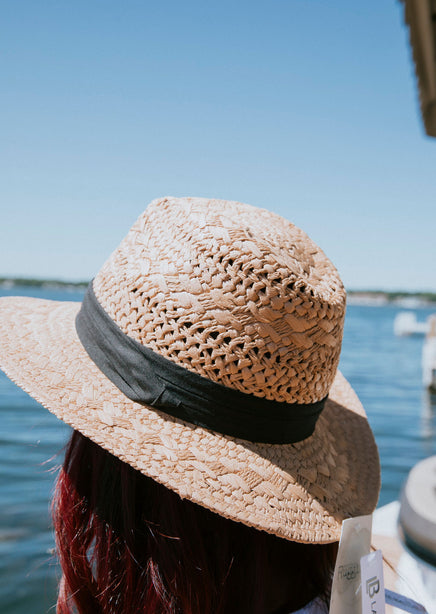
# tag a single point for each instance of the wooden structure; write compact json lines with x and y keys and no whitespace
{"x":420,"y":16}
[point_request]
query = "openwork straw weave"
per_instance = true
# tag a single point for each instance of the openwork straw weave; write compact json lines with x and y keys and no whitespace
{"x":244,"y":298}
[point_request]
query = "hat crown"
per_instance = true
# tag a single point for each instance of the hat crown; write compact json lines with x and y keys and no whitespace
{"x":236,"y":294}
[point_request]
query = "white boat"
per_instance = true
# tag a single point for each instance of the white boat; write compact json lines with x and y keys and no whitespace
{"x":405,"y":531}
{"x":429,"y":356}
{"x":406,"y":324}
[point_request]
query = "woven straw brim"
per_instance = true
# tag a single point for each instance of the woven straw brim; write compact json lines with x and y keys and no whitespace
{"x":299,"y":491}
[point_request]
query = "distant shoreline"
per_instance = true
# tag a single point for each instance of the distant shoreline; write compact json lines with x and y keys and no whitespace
{"x":406,"y":300}
{"x":12,"y":282}
{"x":401,"y":298}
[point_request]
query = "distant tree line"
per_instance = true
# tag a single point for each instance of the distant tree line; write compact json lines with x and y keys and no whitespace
{"x":28,"y":281}
{"x":394,"y":296}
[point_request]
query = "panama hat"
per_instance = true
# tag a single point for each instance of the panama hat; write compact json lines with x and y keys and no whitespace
{"x":205,"y":355}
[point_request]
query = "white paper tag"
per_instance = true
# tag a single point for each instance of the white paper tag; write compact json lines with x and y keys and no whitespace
{"x":373,"y":586}
{"x":355,"y":543}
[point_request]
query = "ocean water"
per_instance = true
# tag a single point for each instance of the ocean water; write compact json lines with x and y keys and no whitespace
{"x":383,"y":369}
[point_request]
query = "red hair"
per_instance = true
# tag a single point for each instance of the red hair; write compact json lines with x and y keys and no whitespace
{"x":128,"y":545}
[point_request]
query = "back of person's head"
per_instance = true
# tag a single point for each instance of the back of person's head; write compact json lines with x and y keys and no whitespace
{"x":127,"y":544}
{"x":203,"y":360}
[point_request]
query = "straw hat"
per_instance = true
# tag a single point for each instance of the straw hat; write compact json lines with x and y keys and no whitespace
{"x":205,"y":355}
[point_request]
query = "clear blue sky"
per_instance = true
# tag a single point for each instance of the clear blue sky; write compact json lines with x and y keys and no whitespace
{"x":306,"y":107}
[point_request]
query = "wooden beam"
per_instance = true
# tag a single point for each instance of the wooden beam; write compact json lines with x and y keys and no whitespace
{"x":420,"y":16}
